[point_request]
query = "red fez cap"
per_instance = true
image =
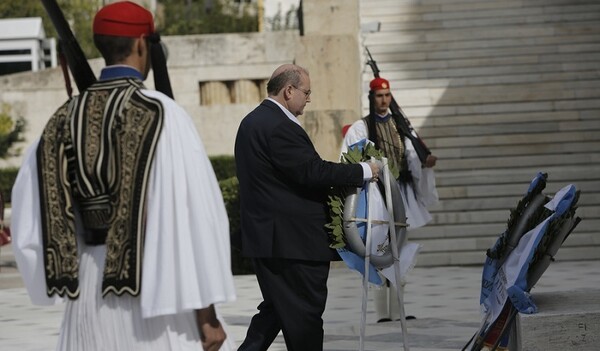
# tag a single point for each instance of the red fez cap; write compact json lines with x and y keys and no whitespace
{"x":345,"y":129}
{"x":378,"y":84}
{"x":123,"y":19}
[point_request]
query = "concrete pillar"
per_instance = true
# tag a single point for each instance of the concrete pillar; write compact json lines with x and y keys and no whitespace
{"x":245,"y":91}
{"x":330,"y":51}
{"x":214,"y":93}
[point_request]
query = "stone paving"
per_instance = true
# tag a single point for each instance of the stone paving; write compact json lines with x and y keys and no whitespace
{"x":444,"y":300}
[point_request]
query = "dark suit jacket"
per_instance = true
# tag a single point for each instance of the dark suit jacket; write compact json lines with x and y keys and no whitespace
{"x":283,"y":187}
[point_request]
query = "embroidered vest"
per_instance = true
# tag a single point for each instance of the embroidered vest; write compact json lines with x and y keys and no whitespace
{"x":94,"y":160}
{"x":390,"y":140}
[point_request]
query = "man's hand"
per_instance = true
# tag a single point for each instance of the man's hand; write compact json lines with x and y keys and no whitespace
{"x":211,"y":331}
{"x":375,"y":169}
{"x":430,"y":161}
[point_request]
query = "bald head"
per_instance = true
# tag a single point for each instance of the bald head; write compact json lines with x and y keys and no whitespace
{"x":285,"y":74}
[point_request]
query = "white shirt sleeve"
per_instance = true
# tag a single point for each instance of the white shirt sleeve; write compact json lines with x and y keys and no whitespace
{"x":26,"y":228}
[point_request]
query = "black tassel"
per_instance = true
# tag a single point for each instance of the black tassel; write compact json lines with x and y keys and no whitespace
{"x":162,"y":82}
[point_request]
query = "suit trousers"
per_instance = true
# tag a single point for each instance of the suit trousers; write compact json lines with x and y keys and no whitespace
{"x":294,"y":296}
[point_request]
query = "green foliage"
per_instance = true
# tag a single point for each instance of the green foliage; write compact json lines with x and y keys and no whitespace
{"x":335,"y":226}
{"x":224,"y":166}
{"x":555,"y":229}
{"x":80,"y":15}
{"x":284,"y":22}
{"x":180,"y":17}
{"x":23,"y":8}
{"x":10,"y":130}
{"x":337,"y":195}
{"x":7,"y":179}
{"x":183,"y":17}
{"x":499,"y":251}
{"x":230,"y":190}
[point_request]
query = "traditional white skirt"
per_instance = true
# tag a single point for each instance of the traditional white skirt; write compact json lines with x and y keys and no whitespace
{"x":94,"y":323}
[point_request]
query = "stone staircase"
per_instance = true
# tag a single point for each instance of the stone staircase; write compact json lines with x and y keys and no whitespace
{"x":499,"y":90}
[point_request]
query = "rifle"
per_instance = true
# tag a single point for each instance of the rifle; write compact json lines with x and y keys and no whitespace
{"x":78,"y":64}
{"x":420,"y":147}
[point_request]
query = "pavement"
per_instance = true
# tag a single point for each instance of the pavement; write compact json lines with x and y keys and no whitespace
{"x":444,"y":300}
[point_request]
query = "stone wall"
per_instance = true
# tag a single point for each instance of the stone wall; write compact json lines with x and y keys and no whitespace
{"x":329,"y":49}
{"x":216,"y":78}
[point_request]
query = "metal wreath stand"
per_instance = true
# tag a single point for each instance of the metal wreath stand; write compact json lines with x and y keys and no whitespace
{"x":397,"y":236}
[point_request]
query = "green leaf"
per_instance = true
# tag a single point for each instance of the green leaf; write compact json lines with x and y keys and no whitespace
{"x":338,"y":245}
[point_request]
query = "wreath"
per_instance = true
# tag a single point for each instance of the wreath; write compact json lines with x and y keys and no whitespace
{"x":337,"y":195}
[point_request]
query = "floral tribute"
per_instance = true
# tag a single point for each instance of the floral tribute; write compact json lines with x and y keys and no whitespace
{"x":337,"y":195}
{"x":536,"y":229}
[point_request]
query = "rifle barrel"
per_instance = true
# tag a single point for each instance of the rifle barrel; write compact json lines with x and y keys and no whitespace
{"x":76,"y":60}
{"x":420,"y":147}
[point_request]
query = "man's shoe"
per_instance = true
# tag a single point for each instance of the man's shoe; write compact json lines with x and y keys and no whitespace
{"x":383,"y":320}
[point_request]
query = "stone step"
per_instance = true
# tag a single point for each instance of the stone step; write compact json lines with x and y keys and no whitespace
{"x":481,"y":244}
{"x":463,"y":258}
{"x":506,"y":129}
{"x":501,"y":17}
{"x":517,"y":189}
{"x":578,"y":253}
{"x":509,"y":150}
{"x":399,"y":65}
{"x":487,"y":48}
{"x":499,"y":70}
{"x":519,"y":161}
{"x":548,"y":91}
{"x":478,"y":244}
{"x":390,"y":3}
{"x":471,"y":114}
{"x":497,"y":215}
{"x":499,"y":90}
{"x":497,"y":203}
{"x":504,"y":118}
{"x":492,"y":177}
{"x":400,"y":86}
{"x":586,"y":107}
{"x":477,"y":230}
{"x":467,"y":101}
{"x":407,"y":23}
{"x":427,"y":10}
{"x":460,"y":258}
{"x":485,"y":33}
{"x":513,"y":139}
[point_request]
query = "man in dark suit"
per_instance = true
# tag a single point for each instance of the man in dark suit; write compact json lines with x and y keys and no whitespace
{"x":283,"y":192}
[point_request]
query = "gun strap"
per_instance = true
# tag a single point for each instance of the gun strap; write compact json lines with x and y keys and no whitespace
{"x":65,"y":70}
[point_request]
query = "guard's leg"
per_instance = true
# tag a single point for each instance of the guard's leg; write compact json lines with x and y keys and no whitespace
{"x":393,"y":303}
{"x":381,"y":300}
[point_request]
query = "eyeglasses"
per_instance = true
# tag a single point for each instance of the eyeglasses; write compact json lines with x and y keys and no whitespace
{"x":306,"y":92}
